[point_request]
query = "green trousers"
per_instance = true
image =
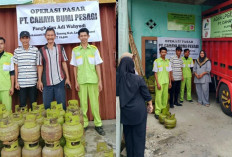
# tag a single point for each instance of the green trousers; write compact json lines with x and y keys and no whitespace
{"x":188,"y":83}
{"x":90,"y":91}
{"x":6,"y":99}
{"x":161,"y":98}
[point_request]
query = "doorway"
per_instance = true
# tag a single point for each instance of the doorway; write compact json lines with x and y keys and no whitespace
{"x":149,"y":54}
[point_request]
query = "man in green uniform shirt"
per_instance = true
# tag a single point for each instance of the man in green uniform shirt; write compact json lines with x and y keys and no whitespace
{"x":86,"y":60}
{"x":162,"y":68}
{"x":187,"y":73}
{"x":6,"y":76}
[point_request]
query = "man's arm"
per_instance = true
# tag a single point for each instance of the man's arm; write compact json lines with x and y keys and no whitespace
{"x":75,"y":78}
{"x":12,"y":73}
{"x":157,"y":82}
{"x":16,"y":76}
{"x":170,"y":76}
{"x":39,"y":70}
{"x":170,"y":80}
{"x":171,"y":73}
{"x":39,"y":83}
{"x":182,"y":74}
{"x":67,"y":81}
{"x":64,"y":58}
{"x":12,"y":85}
{"x":155,"y":70}
{"x":98,"y":61}
{"x":73,"y":62}
{"x":191,"y":66}
{"x":98,"y":69}
{"x":182,"y":65}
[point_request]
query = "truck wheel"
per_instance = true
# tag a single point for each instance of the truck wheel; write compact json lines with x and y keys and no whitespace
{"x":224,"y":98}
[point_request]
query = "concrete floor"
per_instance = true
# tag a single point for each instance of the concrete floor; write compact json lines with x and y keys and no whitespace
{"x":200,"y":132}
{"x":92,"y":137}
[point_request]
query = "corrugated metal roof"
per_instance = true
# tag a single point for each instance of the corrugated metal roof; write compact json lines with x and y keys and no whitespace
{"x":107,"y":48}
{"x":67,"y":1}
{"x":58,"y":1}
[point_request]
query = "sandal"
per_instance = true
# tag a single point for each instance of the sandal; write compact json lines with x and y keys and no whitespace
{"x":207,"y":105}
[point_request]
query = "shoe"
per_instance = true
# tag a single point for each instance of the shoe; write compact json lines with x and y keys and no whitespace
{"x":156,"y":116}
{"x":86,"y":128}
{"x":181,"y":101}
{"x":171,"y":106}
{"x":207,"y":105}
{"x":178,"y":104}
{"x":190,"y":100}
{"x":100,"y":130}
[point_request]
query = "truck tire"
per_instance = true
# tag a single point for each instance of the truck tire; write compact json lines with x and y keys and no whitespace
{"x":224,"y":98}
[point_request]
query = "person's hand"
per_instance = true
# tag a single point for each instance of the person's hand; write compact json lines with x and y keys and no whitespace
{"x":150,"y":108}
{"x":170,"y":85}
{"x":11,"y":91}
{"x":182,"y":79}
{"x":67,"y":81}
{"x":158,"y":86}
{"x":40,"y":86}
{"x":17,"y":86}
{"x":100,"y":86}
{"x":77,"y":87}
{"x":201,"y":75}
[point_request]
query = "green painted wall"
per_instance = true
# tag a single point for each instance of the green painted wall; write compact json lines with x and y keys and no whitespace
{"x":140,"y":11}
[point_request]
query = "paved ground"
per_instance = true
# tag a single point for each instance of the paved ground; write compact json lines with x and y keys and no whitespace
{"x":92,"y":137}
{"x":200,"y":132}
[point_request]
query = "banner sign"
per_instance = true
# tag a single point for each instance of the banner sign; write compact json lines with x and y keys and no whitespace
{"x":218,"y":26}
{"x":65,"y":18}
{"x":186,"y":43}
{"x":181,"y":22}
{"x":14,"y":2}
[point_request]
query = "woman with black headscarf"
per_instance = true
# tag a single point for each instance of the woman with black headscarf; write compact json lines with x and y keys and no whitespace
{"x":133,"y":93}
{"x":201,"y":70}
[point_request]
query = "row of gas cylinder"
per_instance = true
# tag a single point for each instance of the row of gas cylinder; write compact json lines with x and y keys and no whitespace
{"x":52,"y":125}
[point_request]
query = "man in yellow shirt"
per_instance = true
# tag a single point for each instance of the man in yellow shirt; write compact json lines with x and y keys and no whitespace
{"x":6,"y":76}
{"x":162,"y":68}
{"x":86,"y":60}
{"x":187,"y":74}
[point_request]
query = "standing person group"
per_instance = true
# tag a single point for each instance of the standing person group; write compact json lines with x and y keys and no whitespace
{"x":46,"y":69}
{"x":176,"y":74}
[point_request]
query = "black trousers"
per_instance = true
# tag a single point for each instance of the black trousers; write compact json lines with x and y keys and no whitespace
{"x":174,"y":91}
{"x":28,"y":92}
{"x":135,"y":138}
